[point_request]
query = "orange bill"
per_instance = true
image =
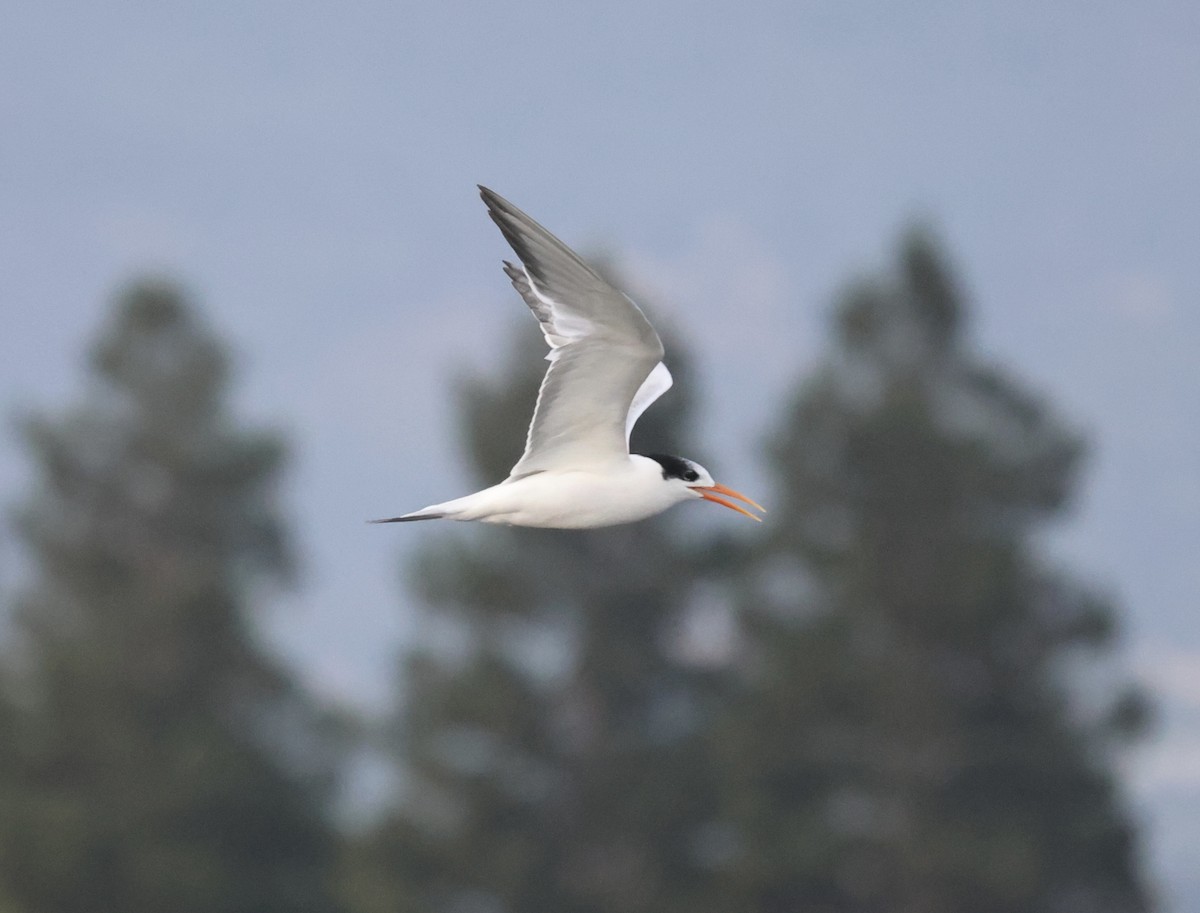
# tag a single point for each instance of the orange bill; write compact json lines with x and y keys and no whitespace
{"x":710,"y":492}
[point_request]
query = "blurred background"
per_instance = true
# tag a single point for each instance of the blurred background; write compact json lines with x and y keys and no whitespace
{"x":927,"y":277}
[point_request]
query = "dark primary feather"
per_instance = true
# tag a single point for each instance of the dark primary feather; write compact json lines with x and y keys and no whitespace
{"x":550,"y":262}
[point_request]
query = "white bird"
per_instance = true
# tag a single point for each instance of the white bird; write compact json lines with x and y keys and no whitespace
{"x":605,"y":370}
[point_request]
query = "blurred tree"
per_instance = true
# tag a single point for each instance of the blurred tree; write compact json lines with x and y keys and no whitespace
{"x":9,"y":784}
{"x":156,"y":758}
{"x":907,"y":737}
{"x":554,"y":712}
{"x":878,"y":708}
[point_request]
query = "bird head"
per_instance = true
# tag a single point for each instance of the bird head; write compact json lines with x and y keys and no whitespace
{"x":694,"y":481}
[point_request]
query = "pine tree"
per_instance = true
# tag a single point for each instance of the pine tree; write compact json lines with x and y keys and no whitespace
{"x":909,"y":735}
{"x":554,"y":710}
{"x":162,"y":760}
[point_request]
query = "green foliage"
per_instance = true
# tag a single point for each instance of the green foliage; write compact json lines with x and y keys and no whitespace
{"x":157,"y":758}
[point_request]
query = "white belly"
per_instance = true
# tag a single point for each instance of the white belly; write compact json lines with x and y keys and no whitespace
{"x":568,"y":500}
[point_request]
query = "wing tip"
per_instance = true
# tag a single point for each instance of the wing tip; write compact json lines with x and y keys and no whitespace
{"x":494,"y":202}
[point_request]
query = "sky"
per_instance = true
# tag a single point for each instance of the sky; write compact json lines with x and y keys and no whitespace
{"x":308,"y":172}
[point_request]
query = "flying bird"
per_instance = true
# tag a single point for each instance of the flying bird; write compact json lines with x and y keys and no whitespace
{"x":605,"y":370}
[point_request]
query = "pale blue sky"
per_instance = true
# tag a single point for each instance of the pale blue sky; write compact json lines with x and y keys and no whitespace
{"x":308,"y":170}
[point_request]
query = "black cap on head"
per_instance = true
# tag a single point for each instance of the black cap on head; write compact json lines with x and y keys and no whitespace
{"x":674,"y":467}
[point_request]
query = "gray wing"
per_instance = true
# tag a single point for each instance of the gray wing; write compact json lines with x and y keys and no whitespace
{"x":605,"y":357}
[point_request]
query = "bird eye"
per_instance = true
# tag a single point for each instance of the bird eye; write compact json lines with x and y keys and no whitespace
{"x":691,"y":475}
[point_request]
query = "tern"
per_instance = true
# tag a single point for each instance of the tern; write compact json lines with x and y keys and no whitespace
{"x":605,"y":370}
